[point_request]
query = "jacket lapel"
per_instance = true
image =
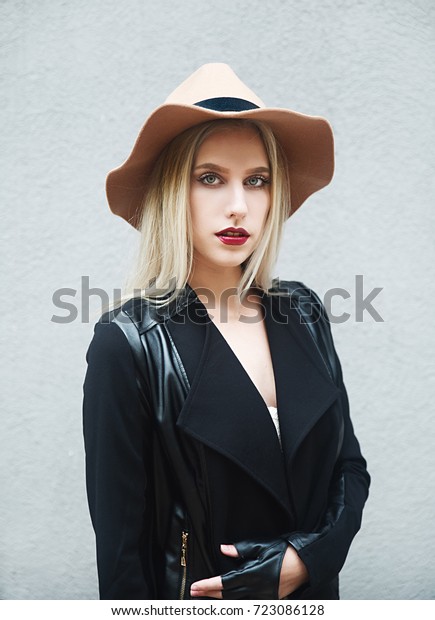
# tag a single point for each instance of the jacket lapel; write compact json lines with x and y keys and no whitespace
{"x":304,"y":388}
{"x":225,"y":411}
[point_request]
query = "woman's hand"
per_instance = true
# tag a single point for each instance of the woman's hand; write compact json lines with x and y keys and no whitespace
{"x":249,"y":581}
{"x":293,"y":573}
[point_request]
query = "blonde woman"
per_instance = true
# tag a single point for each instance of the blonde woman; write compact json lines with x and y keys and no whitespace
{"x":221,"y":461}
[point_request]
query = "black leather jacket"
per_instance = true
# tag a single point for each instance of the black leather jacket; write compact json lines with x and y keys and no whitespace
{"x":169,"y":472}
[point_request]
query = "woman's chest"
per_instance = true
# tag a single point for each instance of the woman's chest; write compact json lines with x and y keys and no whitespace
{"x":243,"y":348}
{"x":248,"y":342}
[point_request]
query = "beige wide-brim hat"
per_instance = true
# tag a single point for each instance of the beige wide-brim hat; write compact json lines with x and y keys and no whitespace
{"x":215,"y":92}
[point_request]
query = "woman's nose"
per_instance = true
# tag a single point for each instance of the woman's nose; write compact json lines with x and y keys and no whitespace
{"x":237,"y":204}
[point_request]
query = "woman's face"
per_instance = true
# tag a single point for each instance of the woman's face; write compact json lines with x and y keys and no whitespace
{"x":229,"y":197}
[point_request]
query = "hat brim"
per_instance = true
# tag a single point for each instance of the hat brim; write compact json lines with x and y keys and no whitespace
{"x":307,"y":142}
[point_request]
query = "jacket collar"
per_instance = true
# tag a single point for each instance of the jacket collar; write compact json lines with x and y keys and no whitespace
{"x":223,"y":406}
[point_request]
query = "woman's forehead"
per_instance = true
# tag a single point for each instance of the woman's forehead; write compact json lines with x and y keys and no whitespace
{"x":232,"y":144}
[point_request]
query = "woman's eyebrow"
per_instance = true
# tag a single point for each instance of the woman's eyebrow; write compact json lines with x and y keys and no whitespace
{"x":210,"y":165}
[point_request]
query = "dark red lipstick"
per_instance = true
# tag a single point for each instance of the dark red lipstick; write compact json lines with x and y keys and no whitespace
{"x":233,"y":236}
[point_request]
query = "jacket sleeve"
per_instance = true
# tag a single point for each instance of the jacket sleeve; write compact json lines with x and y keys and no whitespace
{"x":116,"y":436}
{"x":324,"y":551}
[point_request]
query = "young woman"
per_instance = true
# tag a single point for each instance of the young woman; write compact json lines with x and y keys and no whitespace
{"x":221,"y":461}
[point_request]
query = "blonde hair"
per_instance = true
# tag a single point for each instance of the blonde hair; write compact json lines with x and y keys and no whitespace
{"x":165,"y":253}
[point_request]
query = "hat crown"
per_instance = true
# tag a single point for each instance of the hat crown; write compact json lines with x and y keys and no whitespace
{"x":212,"y":80}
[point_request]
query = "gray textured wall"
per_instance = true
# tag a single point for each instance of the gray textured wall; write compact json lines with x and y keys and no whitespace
{"x":77,"y":81}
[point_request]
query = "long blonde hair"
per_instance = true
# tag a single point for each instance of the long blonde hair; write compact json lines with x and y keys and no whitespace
{"x":165,"y":253}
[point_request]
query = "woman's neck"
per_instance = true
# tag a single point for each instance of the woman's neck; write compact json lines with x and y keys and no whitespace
{"x":215,"y":282}
{"x":217,"y":289}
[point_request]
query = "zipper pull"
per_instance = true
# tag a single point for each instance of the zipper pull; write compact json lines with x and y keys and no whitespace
{"x":184,"y":536}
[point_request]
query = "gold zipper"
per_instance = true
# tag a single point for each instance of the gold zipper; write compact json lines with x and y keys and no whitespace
{"x":183,"y":562}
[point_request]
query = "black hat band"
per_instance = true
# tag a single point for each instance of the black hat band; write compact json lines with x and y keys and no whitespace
{"x":227,"y":104}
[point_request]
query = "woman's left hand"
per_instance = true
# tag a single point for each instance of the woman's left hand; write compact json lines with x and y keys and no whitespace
{"x":273,"y":570}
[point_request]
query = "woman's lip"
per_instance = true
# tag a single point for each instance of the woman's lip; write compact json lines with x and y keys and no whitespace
{"x":241,"y":231}
{"x":230,"y":240}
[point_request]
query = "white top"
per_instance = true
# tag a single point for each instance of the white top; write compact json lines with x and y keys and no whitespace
{"x":275,"y":419}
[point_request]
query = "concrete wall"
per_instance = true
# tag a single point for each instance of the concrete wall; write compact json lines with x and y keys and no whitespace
{"x":77,"y":81}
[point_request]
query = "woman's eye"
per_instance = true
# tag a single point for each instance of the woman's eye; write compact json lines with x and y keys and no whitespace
{"x":209,"y":179}
{"x":257,"y":181}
